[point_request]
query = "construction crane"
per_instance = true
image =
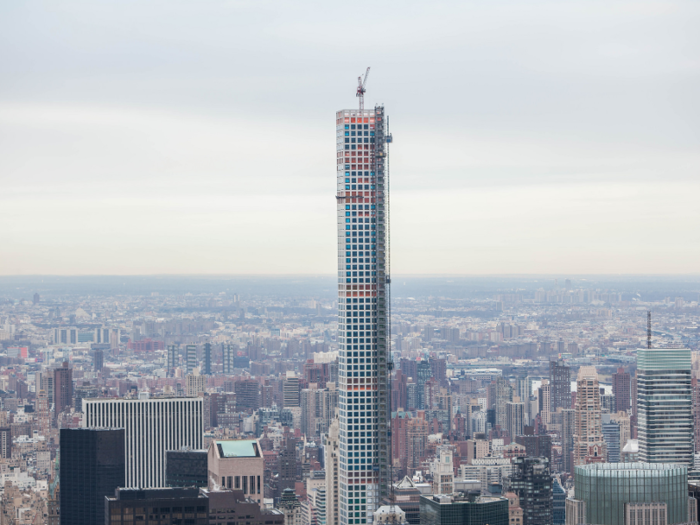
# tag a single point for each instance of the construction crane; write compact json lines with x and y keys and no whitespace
{"x":361,"y":89}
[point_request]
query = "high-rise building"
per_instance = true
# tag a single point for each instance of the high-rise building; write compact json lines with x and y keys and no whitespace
{"x":186,"y":468}
{"x":503,"y":395}
{"x":568,"y":425}
{"x":152,"y":427}
{"x":196,"y":383}
{"x":228,"y":355}
{"x":63,"y":388}
{"x":291,"y":392}
{"x":173,"y":359}
{"x":611,"y":436}
{"x":460,"y":509}
{"x":247,"y":394}
{"x":191,"y":358}
{"x":559,"y":378}
{"x":98,"y":360}
{"x":238,"y":465}
{"x":664,"y":405}
{"x":363,"y":312}
{"x":6,"y":443}
{"x":621,"y":390}
{"x":532,"y":483}
{"x":332,"y":453}
{"x":92,"y":467}
{"x":515,"y":414}
{"x":206,"y":370}
{"x":589,"y":446}
{"x":605,"y":493}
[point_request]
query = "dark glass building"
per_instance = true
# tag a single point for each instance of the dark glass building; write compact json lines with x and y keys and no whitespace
{"x":92,"y":467}
{"x":532,"y":482}
{"x":460,"y":509}
{"x":164,"y":506}
{"x":186,"y":468}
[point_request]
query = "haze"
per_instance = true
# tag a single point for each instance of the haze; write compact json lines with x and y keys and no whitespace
{"x":198,"y":137}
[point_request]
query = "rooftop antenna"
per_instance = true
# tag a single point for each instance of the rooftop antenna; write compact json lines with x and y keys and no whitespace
{"x":649,"y":329}
{"x":361,"y":89}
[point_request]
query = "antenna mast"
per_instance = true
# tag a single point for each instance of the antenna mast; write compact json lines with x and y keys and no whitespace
{"x":649,"y":329}
{"x":361,"y":89}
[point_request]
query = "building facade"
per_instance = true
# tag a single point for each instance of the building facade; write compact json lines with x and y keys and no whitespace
{"x":363,"y":313}
{"x":664,"y":405}
{"x":91,"y":468}
{"x":589,"y":445}
{"x":237,"y":465}
{"x":532,"y":483}
{"x":604,"y":490}
{"x":152,"y":427}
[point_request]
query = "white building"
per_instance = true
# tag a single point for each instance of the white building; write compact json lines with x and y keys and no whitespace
{"x":152,"y":427}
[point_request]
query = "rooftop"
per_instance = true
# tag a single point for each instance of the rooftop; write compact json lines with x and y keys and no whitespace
{"x":241,"y":448}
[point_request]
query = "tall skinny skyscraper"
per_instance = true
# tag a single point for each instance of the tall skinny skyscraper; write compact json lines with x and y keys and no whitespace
{"x":363,"y":312}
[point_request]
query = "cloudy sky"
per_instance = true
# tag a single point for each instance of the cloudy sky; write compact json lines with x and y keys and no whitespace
{"x":142,"y":137}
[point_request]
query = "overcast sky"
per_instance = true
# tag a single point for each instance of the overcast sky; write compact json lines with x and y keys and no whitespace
{"x":141,"y":137}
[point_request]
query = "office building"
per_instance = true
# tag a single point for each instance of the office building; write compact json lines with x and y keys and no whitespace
{"x":190,"y":358}
{"x":664,"y":405}
{"x":91,"y":468}
{"x":611,"y":436}
{"x":232,"y":506}
{"x":621,"y":390}
{"x":186,"y":468}
{"x":247,"y":395}
{"x":152,"y":427}
{"x":589,"y":446}
{"x":606,"y":493}
{"x":515,"y":419}
{"x":291,"y":391}
{"x":461,"y":509}
{"x":532,"y":483}
{"x":63,"y":388}
{"x":238,"y":465}
{"x":558,"y":503}
{"x":560,"y":381}
{"x":332,"y":454}
{"x":183,"y":506}
{"x":568,"y":425}
{"x":170,"y":506}
{"x":363,"y":312}
{"x":98,"y":360}
{"x":173,"y":359}
{"x":206,"y":369}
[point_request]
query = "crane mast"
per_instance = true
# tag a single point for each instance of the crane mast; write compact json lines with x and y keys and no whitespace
{"x":361,"y":89}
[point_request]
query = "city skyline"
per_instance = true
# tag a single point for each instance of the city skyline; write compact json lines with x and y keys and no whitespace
{"x":547,"y":139}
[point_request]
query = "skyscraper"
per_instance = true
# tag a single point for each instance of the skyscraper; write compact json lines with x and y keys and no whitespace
{"x":515,"y":413}
{"x":206,"y":370}
{"x":228,"y":352}
{"x":532,"y":482}
{"x":63,"y":388}
{"x":363,"y":311}
{"x":621,"y":390}
{"x":664,"y":405}
{"x":559,"y":378}
{"x":191,"y":358}
{"x":173,"y":355}
{"x":589,"y":446}
{"x":92,"y":467}
{"x":152,"y":427}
